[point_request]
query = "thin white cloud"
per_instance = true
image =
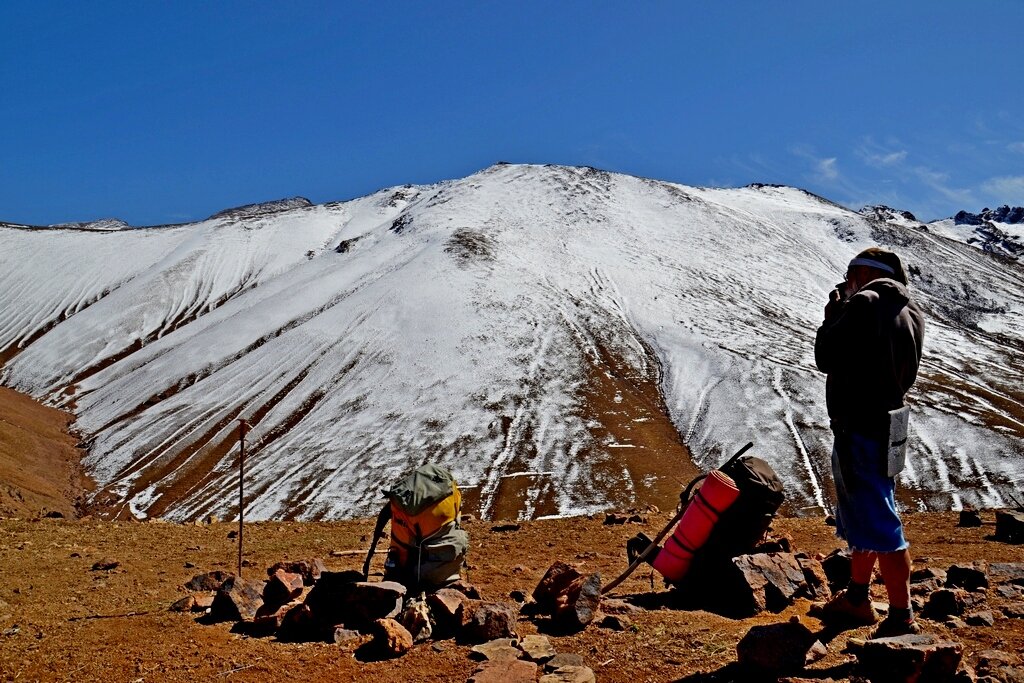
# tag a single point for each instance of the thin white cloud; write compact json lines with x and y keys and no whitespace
{"x":828,"y":168}
{"x":1007,"y":189}
{"x":1016,"y":147}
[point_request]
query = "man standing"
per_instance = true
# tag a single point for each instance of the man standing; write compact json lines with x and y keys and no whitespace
{"x":870,"y":347}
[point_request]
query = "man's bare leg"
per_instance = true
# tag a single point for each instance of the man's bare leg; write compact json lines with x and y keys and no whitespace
{"x":895,"y":568}
{"x":862,"y":564}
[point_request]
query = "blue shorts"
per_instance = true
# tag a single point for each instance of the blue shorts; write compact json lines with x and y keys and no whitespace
{"x":866,"y":516}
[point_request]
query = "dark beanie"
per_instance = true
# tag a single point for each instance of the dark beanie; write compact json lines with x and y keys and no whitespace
{"x":873,"y":257}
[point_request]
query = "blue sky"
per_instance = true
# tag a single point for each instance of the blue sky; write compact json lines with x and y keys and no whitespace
{"x":159,"y":112}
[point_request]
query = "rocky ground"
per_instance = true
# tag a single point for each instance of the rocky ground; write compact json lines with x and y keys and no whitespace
{"x":60,"y":619}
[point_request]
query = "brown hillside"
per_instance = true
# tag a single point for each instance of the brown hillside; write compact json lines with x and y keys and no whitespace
{"x":39,"y":463}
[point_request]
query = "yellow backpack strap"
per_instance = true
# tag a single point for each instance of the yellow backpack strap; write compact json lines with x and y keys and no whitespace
{"x":382,"y":519}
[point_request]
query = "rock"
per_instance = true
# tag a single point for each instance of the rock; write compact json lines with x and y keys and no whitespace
{"x":1015,"y":610}
{"x":237,"y":600}
{"x":947,"y":602}
{"x":335,"y":600}
{"x":615,"y":622}
{"x":569,"y":596}
{"x":563,"y":660}
{"x":837,"y":568}
{"x":269,"y":618}
{"x":981,"y":618}
{"x":509,"y":671}
{"x":518,"y":595}
{"x":987,"y":660}
{"x":390,"y":639}
{"x":467,"y":519}
{"x":210,"y":581}
{"x":910,"y":658}
{"x":211,"y":519}
{"x":484,"y":621}
{"x":927,"y":575}
{"x":106,"y":564}
{"x":971,"y":577}
{"x":505,"y":527}
{"x":569,"y":674}
{"x":1010,"y":526}
{"x":310,"y":570}
{"x":446,"y":607}
{"x":54,"y":514}
{"x":1010,"y":592}
{"x":616,"y":606}
{"x":615,"y":518}
{"x":282,"y":587}
{"x":816,"y":578}
{"x":955,"y":623}
{"x":185,"y":604}
{"x":537,"y":648}
{"x":817,"y":652}
{"x":498,"y":650}
{"x":299,"y":624}
{"x":756,"y":583}
{"x":775,"y":648}
{"x":925,"y":588}
{"x":1007,"y":572}
{"x":342,"y":635}
{"x":467,"y":589}
{"x":416,"y":619}
{"x":969,"y":518}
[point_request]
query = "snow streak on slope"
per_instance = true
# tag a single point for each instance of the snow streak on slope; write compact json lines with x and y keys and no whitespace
{"x":463,"y":322}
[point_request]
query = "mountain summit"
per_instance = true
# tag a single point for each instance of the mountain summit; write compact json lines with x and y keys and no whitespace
{"x":563,"y":339}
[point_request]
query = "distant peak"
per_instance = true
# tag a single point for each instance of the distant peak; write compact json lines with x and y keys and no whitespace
{"x":101,"y":224}
{"x":886,"y":213}
{"x":1004,"y":214}
{"x":264,"y":208}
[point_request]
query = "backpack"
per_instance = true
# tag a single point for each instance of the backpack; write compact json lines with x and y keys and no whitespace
{"x":428,"y":545}
{"x":744,"y":524}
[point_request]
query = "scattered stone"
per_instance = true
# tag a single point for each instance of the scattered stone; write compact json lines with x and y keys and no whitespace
{"x":282,"y":587}
{"x":969,"y":518}
{"x":947,"y":602}
{"x":269,"y":618}
{"x":204,"y":601}
{"x":926,"y":588}
{"x":562,"y":660}
{"x":505,"y":527}
{"x":446,"y":607}
{"x":1015,"y":610}
{"x":775,"y":648}
{"x":1010,"y":526}
{"x":928,"y":575}
{"x":981,"y":618}
{"x":106,"y":564}
{"x":185,"y":604}
{"x":467,"y":589}
{"x":299,"y":624}
{"x":518,"y":595}
{"x":616,"y":606}
{"x":233,"y":534}
{"x":1010,"y":592}
{"x":615,"y":622}
{"x":416,"y":619}
{"x":569,"y":674}
{"x":356,"y":604}
{"x":390,"y":639}
{"x":986,"y":660}
{"x":816,"y":578}
{"x":484,"y":621}
{"x":837,"y":568}
{"x":817,"y":652}
{"x":537,"y":648}
{"x":237,"y":600}
{"x":955,"y":623}
{"x":971,"y":577}
{"x":54,"y":514}
{"x":1007,"y":572}
{"x":210,"y":581}
{"x":342,"y":635}
{"x":498,"y":650}
{"x":510,"y":671}
{"x":188,"y":565}
{"x":920,"y":657}
{"x":311,"y":570}
{"x":467,"y":519}
{"x":768,"y":581}
{"x":615,"y":518}
{"x":569,"y":596}
{"x":211,"y":519}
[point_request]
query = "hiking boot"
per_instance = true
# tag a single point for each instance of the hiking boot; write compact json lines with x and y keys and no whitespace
{"x":895,"y":627}
{"x":637,"y":545}
{"x":842,"y":610}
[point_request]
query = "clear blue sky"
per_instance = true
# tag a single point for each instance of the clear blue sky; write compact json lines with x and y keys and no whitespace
{"x":161,"y":112}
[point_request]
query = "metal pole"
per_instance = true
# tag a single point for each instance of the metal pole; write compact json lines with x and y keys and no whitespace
{"x":243,"y":427}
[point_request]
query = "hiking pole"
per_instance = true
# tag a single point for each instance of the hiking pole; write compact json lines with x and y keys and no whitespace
{"x":683,"y":503}
{"x":243,"y":427}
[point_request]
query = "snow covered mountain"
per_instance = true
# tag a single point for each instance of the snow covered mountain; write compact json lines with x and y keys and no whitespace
{"x":563,"y":339}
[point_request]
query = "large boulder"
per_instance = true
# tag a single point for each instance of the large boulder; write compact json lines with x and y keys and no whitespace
{"x":484,"y":621}
{"x":755,"y":583}
{"x":970,"y":577}
{"x":390,"y":639}
{"x":446,"y":608}
{"x":570,"y":597}
{"x":1010,"y":526}
{"x":282,"y":587}
{"x":356,"y":604}
{"x":951,"y":602}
